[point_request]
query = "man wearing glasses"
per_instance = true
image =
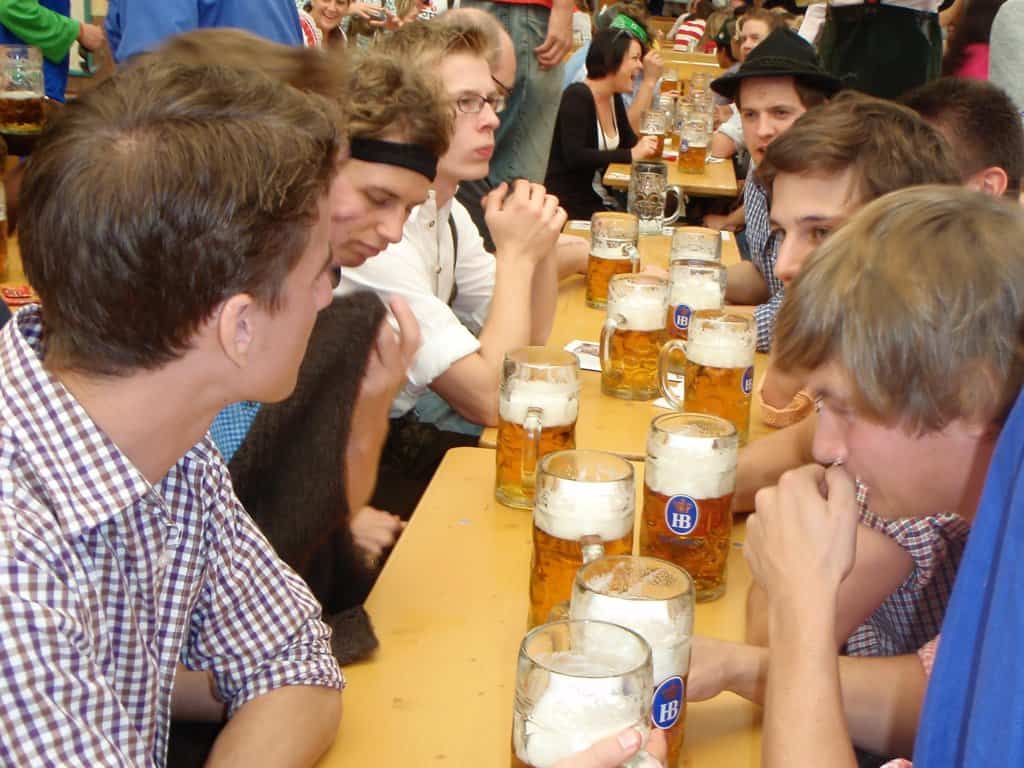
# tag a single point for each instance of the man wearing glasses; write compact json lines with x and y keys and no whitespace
{"x":472,"y":306}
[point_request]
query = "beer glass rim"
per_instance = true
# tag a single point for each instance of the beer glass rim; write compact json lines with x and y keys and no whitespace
{"x":620,"y":216}
{"x":660,"y":164}
{"x":543,"y":466}
{"x":686,"y":585}
{"x":687,"y":261}
{"x":722,"y":319}
{"x":638,"y":278}
{"x":663,"y":423}
{"x":628,"y":636}
{"x":543,"y":357}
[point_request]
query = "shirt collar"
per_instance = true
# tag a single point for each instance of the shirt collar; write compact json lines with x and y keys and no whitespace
{"x":81,"y":474}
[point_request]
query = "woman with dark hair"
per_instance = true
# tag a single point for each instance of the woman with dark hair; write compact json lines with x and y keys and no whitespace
{"x":592,"y":128}
{"x":967,"y":51}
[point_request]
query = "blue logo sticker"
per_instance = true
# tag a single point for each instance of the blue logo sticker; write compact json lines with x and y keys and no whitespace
{"x":668,"y":703}
{"x":748,"y":380}
{"x":681,"y":317}
{"x":681,"y":515}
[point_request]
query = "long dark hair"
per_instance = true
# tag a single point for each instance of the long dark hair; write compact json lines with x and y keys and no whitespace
{"x":975,"y":27}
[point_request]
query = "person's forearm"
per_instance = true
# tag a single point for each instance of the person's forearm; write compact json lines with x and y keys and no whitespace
{"x":290,"y":726}
{"x":763,"y":461}
{"x":882,"y":698}
{"x":779,"y":388}
{"x":508,"y":326}
{"x":747,"y":671}
{"x":722,"y":145}
{"x":745,"y":284}
{"x":804,"y":722}
{"x":193,"y":697}
{"x":544,"y":297}
{"x":51,"y":32}
{"x":641,"y":103}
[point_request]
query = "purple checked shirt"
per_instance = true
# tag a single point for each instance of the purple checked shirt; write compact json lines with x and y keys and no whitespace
{"x":106,"y":582}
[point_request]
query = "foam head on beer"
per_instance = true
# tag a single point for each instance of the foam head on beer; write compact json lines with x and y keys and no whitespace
{"x":698,"y":289}
{"x":697,"y":460}
{"x":720,"y":340}
{"x":558,"y":401}
{"x":639,"y":300}
{"x":585,"y":506}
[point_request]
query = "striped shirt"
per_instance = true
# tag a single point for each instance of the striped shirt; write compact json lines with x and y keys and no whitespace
{"x":107,"y":582}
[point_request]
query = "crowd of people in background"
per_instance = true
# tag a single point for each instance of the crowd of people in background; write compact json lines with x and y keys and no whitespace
{"x":283,"y":250}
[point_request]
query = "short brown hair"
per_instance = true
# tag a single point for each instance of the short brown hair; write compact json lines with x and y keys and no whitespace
{"x":887,"y":146}
{"x":389,"y":98}
{"x":159,"y":194}
{"x":920,"y":299}
{"x":420,"y":43}
{"x":314,"y":70}
{"x":981,"y":122}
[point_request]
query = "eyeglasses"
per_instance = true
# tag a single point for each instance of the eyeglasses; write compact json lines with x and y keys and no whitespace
{"x":472,"y":104}
{"x":505,"y":89}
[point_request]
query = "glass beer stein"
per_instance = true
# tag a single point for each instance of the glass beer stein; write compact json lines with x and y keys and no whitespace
{"x":689,"y":478}
{"x":693,"y":285}
{"x":632,"y":336}
{"x":654,"y":123}
{"x":696,"y":243}
{"x":648,"y":196}
{"x":537,"y":409}
{"x":719,"y":373}
{"x":694,"y":138}
{"x":21,"y":92}
{"x":654,"y":598}
{"x":578,"y":682}
{"x":613,"y":239}
{"x":584,"y":509}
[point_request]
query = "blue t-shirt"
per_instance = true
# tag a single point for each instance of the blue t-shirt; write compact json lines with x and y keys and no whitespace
{"x":134,"y":26}
{"x":973,"y":713}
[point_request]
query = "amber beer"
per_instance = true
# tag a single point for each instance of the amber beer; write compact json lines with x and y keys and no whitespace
{"x":537,"y":409}
{"x":21,"y":112}
{"x":692,"y":157}
{"x":654,"y":598}
{"x":660,"y":142}
{"x":689,"y":477}
{"x":584,"y":508}
{"x":632,"y":336}
{"x":719,"y":370}
{"x":613,"y":239}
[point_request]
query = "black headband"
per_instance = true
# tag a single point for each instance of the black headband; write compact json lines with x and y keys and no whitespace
{"x":411,"y":156}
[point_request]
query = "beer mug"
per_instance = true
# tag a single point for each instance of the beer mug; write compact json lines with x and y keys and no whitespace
{"x":696,"y":243}
{"x":648,"y":196}
{"x":654,"y":598}
{"x":537,"y":409}
{"x":578,"y":682}
{"x":689,"y":478}
{"x":719,"y":372}
{"x":694,"y":137}
{"x":613,"y":239}
{"x":632,"y":336}
{"x":584,"y":509}
{"x":669,"y":80}
{"x":21,"y":92}
{"x":654,"y":123}
{"x":694,"y":284}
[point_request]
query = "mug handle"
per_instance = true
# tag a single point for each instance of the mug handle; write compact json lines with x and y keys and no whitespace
{"x":680,"y":205}
{"x":531,"y":448}
{"x":667,"y":390}
{"x":607,"y":331}
{"x":591,"y":547}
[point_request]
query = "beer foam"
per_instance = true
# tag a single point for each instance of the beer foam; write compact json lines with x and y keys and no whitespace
{"x":690,"y":466}
{"x":669,"y":640}
{"x":698,"y":292}
{"x":610,"y":249}
{"x":644,"y":311}
{"x":577,"y":509}
{"x":559,"y":402}
{"x":574,"y":712}
{"x":719,"y":352}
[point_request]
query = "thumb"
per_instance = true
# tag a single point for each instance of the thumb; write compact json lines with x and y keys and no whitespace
{"x":609,"y":752}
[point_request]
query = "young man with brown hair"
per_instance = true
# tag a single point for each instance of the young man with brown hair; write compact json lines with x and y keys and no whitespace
{"x":172,"y":283}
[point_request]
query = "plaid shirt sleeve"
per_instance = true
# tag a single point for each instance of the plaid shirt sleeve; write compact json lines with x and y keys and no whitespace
{"x":256,"y":625}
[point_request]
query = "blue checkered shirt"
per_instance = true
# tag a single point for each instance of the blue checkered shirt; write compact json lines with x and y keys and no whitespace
{"x":107,"y":582}
{"x":764,"y":251}
{"x":231,"y":426}
{"x":912,"y":615}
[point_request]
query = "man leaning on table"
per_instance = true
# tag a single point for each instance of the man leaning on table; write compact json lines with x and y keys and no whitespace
{"x":134,"y":585}
{"x":453,"y":285}
{"x":779,"y":81}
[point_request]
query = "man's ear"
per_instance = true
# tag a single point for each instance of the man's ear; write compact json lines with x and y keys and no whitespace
{"x":236,"y":327}
{"x":991,"y":181}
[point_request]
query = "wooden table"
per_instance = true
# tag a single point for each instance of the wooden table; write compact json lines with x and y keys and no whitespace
{"x":608,"y":423}
{"x":450,"y":610}
{"x":718,"y":179}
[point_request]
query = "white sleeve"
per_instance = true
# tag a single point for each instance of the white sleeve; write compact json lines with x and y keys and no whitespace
{"x":733,"y":128}
{"x":474,"y":272}
{"x":814,"y":20}
{"x":400,"y":270}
